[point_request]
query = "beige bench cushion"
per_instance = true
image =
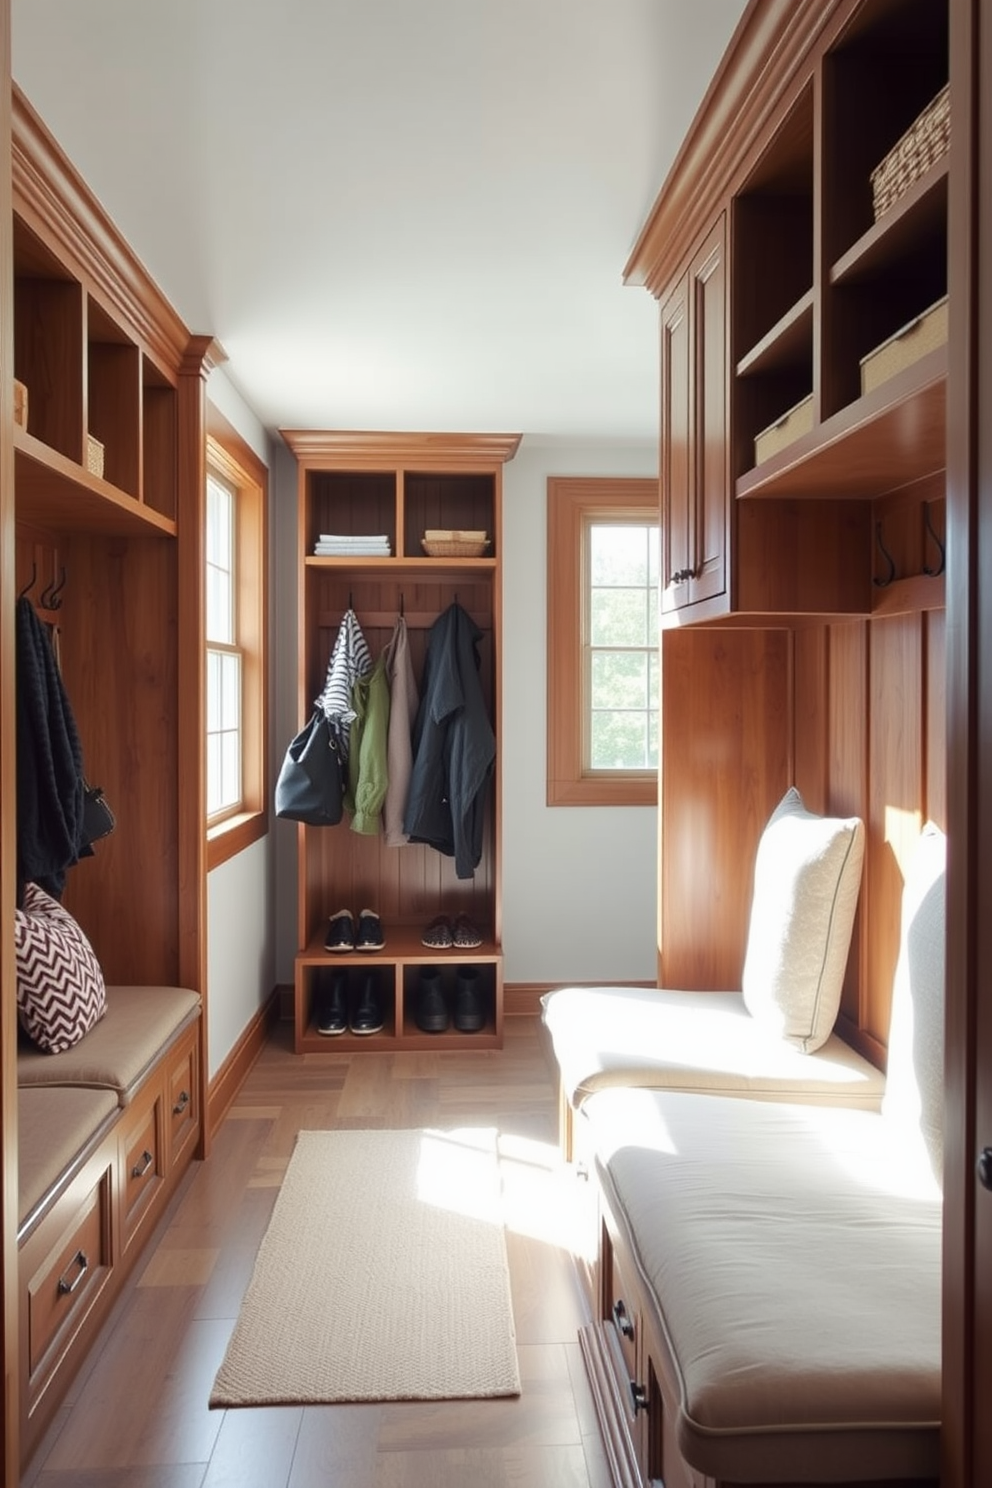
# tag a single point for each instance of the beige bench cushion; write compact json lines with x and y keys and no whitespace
{"x":55,"y":1126}
{"x":139,"y":1024}
{"x":694,"y":1041}
{"x":793,"y":1257}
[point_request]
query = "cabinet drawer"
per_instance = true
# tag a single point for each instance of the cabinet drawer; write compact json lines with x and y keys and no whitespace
{"x":622,"y":1313}
{"x":183,"y":1104}
{"x":62,"y":1288}
{"x":142,"y":1166}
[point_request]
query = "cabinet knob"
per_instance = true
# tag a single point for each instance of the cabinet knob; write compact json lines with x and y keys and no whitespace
{"x":983,"y":1167}
{"x":622,"y":1319}
{"x":638,"y":1397}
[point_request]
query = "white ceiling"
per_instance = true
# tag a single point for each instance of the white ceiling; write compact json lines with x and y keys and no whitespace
{"x":393,"y":214}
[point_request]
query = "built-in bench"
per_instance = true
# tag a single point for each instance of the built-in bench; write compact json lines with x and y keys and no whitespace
{"x":106,"y":1128}
{"x":767,"y":1289}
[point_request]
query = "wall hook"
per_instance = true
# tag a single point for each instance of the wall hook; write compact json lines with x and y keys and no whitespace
{"x":31,"y":581}
{"x":51,"y":598}
{"x":402,"y":605}
{"x":884,"y":583}
{"x":933,"y":572}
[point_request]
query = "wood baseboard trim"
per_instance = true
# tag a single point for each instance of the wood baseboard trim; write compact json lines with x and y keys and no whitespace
{"x":231,"y":1076}
{"x":523,"y":999}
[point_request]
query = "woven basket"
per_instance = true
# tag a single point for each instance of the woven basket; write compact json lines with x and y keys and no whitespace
{"x":94,"y":455}
{"x":927,"y":139}
{"x":435,"y":548}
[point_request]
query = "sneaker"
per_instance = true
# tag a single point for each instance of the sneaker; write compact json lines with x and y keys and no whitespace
{"x":370,"y":936}
{"x":470,"y":1003}
{"x":366,"y":1015}
{"x":332,"y":1003}
{"x":340,"y":932}
{"x":465,"y":935}
{"x":431,"y":1009}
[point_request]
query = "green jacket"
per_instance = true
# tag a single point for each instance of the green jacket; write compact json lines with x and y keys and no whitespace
{"x":368,"y":776}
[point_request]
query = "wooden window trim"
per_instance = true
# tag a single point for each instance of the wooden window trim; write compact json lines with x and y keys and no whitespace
{"x":571,"y":502}
{"x":233,"y":458}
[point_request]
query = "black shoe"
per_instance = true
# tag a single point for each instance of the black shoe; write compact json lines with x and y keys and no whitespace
{"x":470,"y":1003}
{"x":366,"y":1015}
{"x":432,"y":1010}
{"x":332,"y":1003}
{"x":340,"y":932}
{"x":370,"y":936}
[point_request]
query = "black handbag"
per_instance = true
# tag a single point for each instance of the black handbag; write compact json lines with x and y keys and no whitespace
{"x":98,"y":819}
{"x":310,"y":787}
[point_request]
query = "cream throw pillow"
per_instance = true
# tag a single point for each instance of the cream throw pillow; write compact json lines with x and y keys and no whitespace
{"x":807,"y":875}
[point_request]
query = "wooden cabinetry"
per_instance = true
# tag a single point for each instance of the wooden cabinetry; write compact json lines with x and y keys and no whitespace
{"x":103,"y":513}
{"x":694,"y":428}
{"x":833,"y":488}
{"x":397,"y":486}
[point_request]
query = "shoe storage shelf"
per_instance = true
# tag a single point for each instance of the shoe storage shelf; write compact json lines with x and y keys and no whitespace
{"x":398,"y":487}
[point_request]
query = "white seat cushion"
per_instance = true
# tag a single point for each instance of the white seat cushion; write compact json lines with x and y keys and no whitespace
{"x":695,"y":1041}
{"x":793,"y":1257}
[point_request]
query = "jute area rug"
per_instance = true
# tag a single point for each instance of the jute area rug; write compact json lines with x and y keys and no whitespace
{"x":382,"y":1276}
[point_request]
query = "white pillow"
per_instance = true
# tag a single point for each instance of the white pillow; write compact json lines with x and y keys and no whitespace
{"x":807,"y":875}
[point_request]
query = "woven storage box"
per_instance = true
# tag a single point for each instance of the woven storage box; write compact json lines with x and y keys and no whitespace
{"x":913,"y":341}
{"x":94,"y":455}
{"x":926,"y":140}
{"x":796,"y":422}
{"x":20,"y":403}
{"x":436,"y":547}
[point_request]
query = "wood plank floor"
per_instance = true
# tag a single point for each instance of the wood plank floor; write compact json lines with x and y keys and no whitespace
{"x":137,"y":1414}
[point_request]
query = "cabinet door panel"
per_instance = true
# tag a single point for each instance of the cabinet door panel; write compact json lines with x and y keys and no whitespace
{"x":675,"y":416}
{"x":709,"y":344}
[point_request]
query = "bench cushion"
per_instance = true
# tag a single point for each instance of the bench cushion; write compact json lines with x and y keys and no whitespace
{"x":695,"y":1041}
{"x":792,"y":1255}
{"x":55,"y":1126}
{"x":139,"y":1024}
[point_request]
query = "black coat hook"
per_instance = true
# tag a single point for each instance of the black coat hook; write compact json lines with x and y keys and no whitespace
{"x":30,"y":583}
{"x":887,"y":580}
{"x":402,"y":606}
{"x":933,"y":572}
{"x":51,"y":598}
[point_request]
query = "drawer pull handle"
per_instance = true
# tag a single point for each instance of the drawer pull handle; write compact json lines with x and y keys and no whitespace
{"x":623,"y":1319}
{"x":80,"y":1259}
{"x":638,"y":1397}
{"x":141,"y":1168}
{"x":181,"y":1103}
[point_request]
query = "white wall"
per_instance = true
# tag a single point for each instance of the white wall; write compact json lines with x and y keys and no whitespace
{"x":579,"y":897}
{"x":579,"y":882}
{"x":240,"y":927}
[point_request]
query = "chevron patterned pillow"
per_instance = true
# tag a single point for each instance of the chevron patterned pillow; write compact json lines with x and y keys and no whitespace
{"x":60,"y":990}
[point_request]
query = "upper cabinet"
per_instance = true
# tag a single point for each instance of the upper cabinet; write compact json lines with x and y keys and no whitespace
{"x":694,"y":424}
{"x":820,"y":155}
{"x":96,"y":358}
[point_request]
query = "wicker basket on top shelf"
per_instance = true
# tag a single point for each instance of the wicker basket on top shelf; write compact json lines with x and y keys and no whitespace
{"x":450,"y":542}
{"x":926,"y":140}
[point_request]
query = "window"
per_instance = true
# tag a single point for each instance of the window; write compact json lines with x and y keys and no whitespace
{"x":224,"y":660}
{"x":234,"y":560}
{"x":603,"y":678}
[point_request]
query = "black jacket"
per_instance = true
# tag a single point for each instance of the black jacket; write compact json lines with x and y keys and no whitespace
{"x":49,"y":763}
{"x":454,"y":747}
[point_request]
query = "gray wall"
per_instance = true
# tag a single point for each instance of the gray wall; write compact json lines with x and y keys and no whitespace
{"x":579,"y":891}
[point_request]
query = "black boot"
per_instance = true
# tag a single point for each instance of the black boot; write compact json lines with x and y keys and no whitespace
{"x":432,"y":1010}
{"x":366,"y":1015}
{"x":470,"y":1001}
{"x":332,"y":1002}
